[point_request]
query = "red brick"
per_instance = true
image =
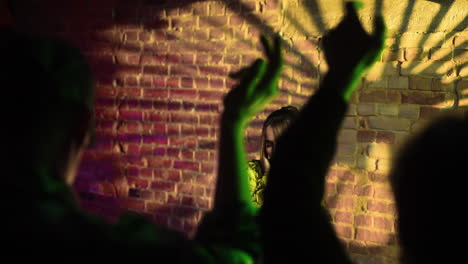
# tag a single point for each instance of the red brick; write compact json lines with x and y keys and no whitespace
{"x":343,"y":217}
{"x":213,"y":70}
{"x":187,"y":82}
{"x":187,"y":165}
{"x":366,"y":136}
{"x":207,"y":167}
{"x":185,"y":22}
{"x":131,"y":115}
{"x":162,"y":140}
{"x":211,"y":95}
{"x":146,"y":81}
{"x":364,"y":191}
{"x":129,"y":92}
{"x":378,"y":177}
{"x":202,"y":59}
{"x":385,"y":137}
{"x":383,"y":193}
{"x":173,"y":199}
{"x":213,"y":21}
{"x":188,"y":142}
{"x":356,"y":247}
{"x":206,"y":179}
{"x":363,"y":220}
{"x":160,"y":197}
{"x":345,"y":189}
{"x":183,"y":118}
{"x":428,"y":112}
{"x":137,"y":205}
{"x":186,"y":70}
{"x":201,"y":82}
{"x":173,"y":176}
{"x":344,"y":231}
{"x":172,"y":152}
{"x":207,"y":144}
{"x":173,"y":82}
{"x":137,"y":183}
{"x":157,"y":117}
{"x":173,"y":129}
{"x":159,"y":81}
{"x":188,"y":201}
{"x":217,"y":84}
{"x":155,"y":93}
{"x":156,"y":162}
{"x":201,"y":155}
{"x":340,"y":203}
{"x":183,"y":94}
{"x":185,"y":188}
{"x":375,"y":237}
{"x":380,"y":207}
{"x":158,"y":70}
{"x":163,"y":186}
{"x":202,"y":131}
{"x":422,"y":98}
{"x":153,"y":59}
{"x":383,"y":223}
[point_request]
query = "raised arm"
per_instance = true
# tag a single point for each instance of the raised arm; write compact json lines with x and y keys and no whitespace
{"x":231,"y":228}
{"x":292,"y":208}
{"x":257,"y":88}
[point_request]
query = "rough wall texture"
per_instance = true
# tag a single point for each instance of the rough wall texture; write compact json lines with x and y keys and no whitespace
{"x":161,"y":68}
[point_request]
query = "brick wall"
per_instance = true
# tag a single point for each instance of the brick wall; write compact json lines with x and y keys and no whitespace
{"x":161,"y":68}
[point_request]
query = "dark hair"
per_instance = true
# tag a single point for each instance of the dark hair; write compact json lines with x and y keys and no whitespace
{"x":278,"y":120}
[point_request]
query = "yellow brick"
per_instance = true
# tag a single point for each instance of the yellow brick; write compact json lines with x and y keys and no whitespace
{"x":398,"y":82}
{"x":460,"y":38}
{"x":418,"y":54}
{"x":346,"y":149}
{"x":416,"y":40}
{"x":428,"y":69}
{"x":349,"y":122}
{"x":440,"y":54}
{"x":387,"y":109}
{"x":408,"y":111}
{"x":382,"y":83}
{"x":388,"y":123}
{"x":460,"y":55}
{"x":381,"y":69}
{"x":366,"y":109}
{"x":383,"y":165}
{"x":419,"y":83}
{"x":347,"y":136}
{"x":379,"y":151}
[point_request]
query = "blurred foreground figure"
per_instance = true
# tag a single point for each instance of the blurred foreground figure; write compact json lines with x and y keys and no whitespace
{"x":426,"y":182}
{"x":48,"y":109}
{"x":295,"y":226}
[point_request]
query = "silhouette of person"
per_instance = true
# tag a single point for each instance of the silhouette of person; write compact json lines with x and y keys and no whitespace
{"x":273,"y":126}
{"x":48,"y":106}
{"x":425,"y":181}
{"x":294,"y":225}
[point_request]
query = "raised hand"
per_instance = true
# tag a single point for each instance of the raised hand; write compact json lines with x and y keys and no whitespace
{"x":350,"y":50}
{"x":258,"y":86}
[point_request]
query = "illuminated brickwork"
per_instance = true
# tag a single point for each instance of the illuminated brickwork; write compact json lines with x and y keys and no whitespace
{"x":161,"y":73}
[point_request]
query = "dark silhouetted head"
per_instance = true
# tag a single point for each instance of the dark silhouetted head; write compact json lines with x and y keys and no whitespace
{"x":427,"y":181}
{"x":47,"y":103}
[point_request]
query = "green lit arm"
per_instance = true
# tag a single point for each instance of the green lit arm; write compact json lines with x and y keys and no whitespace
{"x":257,"y":88}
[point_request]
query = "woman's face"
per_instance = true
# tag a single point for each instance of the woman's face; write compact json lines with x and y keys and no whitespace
{"x":270,"y":141}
